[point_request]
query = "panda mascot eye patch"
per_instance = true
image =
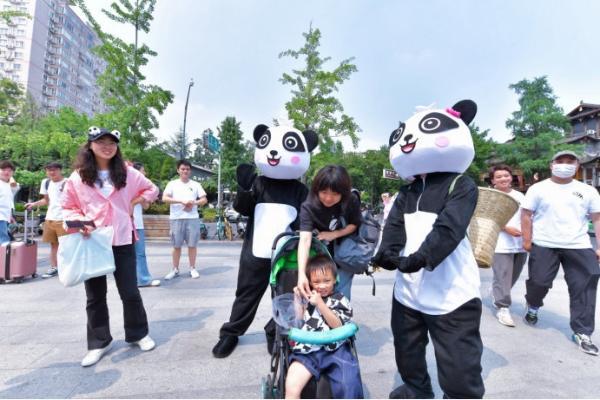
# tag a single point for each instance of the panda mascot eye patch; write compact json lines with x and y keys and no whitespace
{"x":436,"y":123}
{"x":397,"y":134}
{"x":264,"y":140}
{"x":292,"y":142}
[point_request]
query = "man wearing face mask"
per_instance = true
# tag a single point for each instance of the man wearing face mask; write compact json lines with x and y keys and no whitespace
{"x":554,"y":223}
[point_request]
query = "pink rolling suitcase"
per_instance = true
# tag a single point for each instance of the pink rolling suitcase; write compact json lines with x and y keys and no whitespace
{"x":19,"y":259}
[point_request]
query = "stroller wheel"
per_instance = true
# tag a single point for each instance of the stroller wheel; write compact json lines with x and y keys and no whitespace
{"x":266,"y":388}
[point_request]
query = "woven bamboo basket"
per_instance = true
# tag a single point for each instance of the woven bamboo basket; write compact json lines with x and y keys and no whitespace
{"x":494,"y":210}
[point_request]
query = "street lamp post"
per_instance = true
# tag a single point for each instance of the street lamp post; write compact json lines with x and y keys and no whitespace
{"x":185,"y":118}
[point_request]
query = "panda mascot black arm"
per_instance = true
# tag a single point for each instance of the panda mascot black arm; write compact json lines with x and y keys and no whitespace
{"x":245,"y":199}
{"x":451,"y":225}
{"x":394,"y":233}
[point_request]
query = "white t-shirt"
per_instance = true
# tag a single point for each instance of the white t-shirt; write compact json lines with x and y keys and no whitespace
{"x":107,"y":184}
{"x":6,"y":201}
{"x":190,"y":190}
{"x":560,"y":213}
{"x":54,"y":193}
{"x":508,"y":243}
{"x":138,"y":217}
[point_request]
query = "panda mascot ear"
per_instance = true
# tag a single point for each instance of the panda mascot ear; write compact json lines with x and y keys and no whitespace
{"x":258,"y":131}
{"x":312,"y":139}
{"x":467,"y":110}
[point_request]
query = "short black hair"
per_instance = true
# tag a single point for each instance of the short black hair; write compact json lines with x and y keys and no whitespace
{"x":184,"y":162}
{"x":7,"y":164}
{"x":320,"y":262}
{"x":53,"y":164}
{"x":137,"y":165}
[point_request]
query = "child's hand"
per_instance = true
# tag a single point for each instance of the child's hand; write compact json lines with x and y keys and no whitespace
{"x":315,"y":298}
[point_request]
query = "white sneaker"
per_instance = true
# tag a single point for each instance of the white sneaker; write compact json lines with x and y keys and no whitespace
{"x":504,"y":317}
{"x":174,"y":272}
{"x":194,"y":274}
{"x":146,"y":343}
{"x":93,"y":356}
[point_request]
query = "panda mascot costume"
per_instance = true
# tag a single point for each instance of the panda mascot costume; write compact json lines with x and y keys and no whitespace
{"x":437,"y":284}
{"x":272,"y":202}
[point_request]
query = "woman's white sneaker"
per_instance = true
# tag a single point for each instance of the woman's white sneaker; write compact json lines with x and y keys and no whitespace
{"x":146,"y":343}
{"x":93,"y":356}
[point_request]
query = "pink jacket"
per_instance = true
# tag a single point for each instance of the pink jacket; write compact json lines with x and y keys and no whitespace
{"x":84,"y":202}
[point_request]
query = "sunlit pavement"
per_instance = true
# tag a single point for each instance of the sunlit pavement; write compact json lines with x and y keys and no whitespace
{"x":42,"y":339}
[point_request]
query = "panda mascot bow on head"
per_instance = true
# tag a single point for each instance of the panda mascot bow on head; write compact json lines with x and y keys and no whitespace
{"x":437,"y":283}
{"x":272,"y":202}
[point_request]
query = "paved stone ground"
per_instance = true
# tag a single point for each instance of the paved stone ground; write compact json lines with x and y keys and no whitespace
{"x":42,"y":340}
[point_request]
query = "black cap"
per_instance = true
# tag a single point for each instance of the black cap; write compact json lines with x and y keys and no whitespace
{"x":95,"y":133}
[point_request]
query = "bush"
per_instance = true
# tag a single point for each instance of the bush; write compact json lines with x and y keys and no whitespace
{"x":209,"y":214}
{"x":157,"y":209}
{"x":20,"y":207}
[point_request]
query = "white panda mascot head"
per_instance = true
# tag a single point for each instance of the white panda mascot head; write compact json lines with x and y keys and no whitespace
{"x":283,"y":152}
{"x":434,"y":141}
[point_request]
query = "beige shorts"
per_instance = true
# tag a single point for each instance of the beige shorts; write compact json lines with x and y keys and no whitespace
{"x":52,"y":230}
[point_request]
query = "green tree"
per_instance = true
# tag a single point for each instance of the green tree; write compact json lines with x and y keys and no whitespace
{"x":538,"y":111}
{"x":484,"y":151}
{"x":538,"y":127}
{"x":232,"y":150}
{"x":178,"y":145}
{"x":11,"y":100}
{"x":201,"y":154}
{"x":313,"y":104}
{"x":8,"y":15}
{"x":132,"y":102}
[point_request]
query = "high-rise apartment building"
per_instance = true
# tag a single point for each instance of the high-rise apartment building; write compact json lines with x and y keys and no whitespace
{"x":50,"y":55}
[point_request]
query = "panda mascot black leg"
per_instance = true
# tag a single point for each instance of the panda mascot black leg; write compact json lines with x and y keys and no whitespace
{"x":436,"y":292}
{"x":272,"y":203}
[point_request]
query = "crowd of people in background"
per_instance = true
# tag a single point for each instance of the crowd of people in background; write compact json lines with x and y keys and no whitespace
{"x":549,"y":229}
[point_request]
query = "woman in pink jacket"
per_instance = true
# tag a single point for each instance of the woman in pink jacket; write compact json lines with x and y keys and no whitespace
{"x":103,"y":189}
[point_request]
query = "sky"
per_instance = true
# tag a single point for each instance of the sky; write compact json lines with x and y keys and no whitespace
{"x":408,"y":53}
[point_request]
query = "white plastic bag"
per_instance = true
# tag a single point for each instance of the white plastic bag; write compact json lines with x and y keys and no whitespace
{"x":80,"y":259}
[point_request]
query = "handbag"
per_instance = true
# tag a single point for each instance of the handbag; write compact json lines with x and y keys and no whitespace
{"x":80,"y":258}
{"x":353,"y":253}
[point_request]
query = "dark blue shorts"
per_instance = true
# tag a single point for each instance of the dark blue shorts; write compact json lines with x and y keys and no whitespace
{"x":340,"y":367}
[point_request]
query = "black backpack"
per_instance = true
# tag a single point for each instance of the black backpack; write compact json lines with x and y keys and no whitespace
{"x":353,"y":252}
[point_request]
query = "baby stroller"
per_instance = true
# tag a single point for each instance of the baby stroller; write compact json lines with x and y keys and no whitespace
{"x":284,"y":277}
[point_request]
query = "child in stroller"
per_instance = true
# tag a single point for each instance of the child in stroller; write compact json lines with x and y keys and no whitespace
{"x":324,"y":346}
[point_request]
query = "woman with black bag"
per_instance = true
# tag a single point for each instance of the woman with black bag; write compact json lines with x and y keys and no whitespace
{"x":332,"y":211}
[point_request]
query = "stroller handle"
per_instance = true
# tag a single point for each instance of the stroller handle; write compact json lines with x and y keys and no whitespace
{"x":289,"y":233}
{"x":320,"y":338}
{"x":281,"y":235}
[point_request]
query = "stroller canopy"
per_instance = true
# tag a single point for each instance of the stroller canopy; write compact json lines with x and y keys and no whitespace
{"x":285,"y":255}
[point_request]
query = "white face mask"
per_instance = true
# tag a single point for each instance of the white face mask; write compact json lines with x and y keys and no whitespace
{"x":564,"y":171}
